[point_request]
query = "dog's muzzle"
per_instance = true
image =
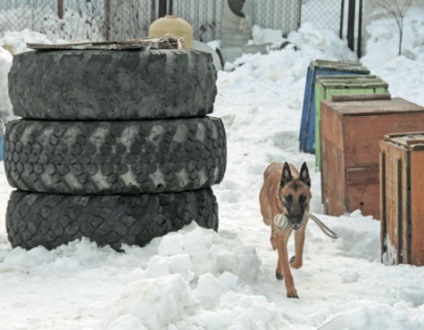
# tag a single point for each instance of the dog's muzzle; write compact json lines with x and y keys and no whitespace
{"x":295,"y":222}
{"x":295,"y":226}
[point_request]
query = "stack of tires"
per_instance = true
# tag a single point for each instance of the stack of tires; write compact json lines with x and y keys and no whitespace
{"x":115,"y":146}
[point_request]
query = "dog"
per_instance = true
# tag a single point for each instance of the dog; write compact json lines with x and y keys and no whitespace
{"x":284,"y":201}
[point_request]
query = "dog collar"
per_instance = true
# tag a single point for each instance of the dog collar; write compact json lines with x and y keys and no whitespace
{"x":281,"y":221}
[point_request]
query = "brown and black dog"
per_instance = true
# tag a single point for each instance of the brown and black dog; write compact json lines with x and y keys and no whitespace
{"x":284,"y":199}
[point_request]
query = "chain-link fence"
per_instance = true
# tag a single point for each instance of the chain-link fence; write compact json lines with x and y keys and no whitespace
{"x":206,"y":15}
{"x":16,"y":16}
{"x":76,"y":19}
{"x":323,"y":14}
{"x":125,"y":19}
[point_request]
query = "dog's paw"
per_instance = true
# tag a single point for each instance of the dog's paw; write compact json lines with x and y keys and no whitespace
{"x":293,"y":296}
{"x":295,"y":263}
{"x":292,"y":293}
{"x":278,"y":276}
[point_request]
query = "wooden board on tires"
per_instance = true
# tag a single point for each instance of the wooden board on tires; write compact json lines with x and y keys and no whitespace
{"x":165,"y":42}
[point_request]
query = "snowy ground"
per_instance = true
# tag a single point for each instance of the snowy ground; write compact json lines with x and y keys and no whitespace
{"x":200,"y":279}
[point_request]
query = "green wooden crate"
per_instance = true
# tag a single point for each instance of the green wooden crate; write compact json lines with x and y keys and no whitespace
{"x":327,"y":86}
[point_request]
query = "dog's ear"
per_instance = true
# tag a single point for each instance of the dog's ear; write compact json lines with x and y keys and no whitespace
{"x":304,"y":175}
{"x":286,"y":176}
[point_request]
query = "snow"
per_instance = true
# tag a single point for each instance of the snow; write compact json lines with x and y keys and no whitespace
{"x":5,"y":65}
{"x":200,"y":279}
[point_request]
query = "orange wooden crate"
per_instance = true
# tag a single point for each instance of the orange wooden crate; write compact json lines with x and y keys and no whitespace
{"x":350,"y":135}
{"x":402,"y":198}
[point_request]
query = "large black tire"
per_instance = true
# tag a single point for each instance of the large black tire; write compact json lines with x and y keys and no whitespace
{"x":115,"y":157}
{"x":109,"y":85}
{"x":49,"y":220}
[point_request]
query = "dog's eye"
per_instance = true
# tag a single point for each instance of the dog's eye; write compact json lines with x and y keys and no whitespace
{"x":288,"y":198}
{"x":302,"y":198}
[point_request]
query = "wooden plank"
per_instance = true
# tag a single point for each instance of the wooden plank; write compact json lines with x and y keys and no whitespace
{"x":417,"y":207}
{"x":347,"y":77}
{"x":165,"y":42}
{"x":383,"y":201}
{"x":402,"y":188}
{"x":392,"y":205}
{"x":368,"y":107}
{"x":364,"y":197}
{"x":332,"y":179}
{"x":411,"y":139}
{"x":362,"y":175}
{"x":362,"y":97}
{"x":356,"y":85}
{"x":361,"y":134}
{"x":331,"y":125}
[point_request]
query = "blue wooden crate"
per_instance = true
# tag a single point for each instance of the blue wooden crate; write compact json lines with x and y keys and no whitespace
{"x":320,"y":68}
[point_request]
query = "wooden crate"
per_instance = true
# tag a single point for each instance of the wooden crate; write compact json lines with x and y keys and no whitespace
{"x":316,"y":69}
{"x":350,"y":135}
{"x":402,"y":198}
{"x":328,"y":86}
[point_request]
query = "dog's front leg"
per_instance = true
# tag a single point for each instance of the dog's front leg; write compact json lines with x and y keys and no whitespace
{"x":284,"y":267}
{"x":299,"y":238}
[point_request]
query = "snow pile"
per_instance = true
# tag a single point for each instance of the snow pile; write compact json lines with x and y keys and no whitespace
{"x":382,"y":50}
{"x":267,"y":36}
{"x":5,"y":65}
{"x":17,"y":40}
{"x":193,"y":273}
{"x":319,"y":42}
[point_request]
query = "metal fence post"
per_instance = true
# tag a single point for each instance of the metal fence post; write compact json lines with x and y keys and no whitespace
{"x":299,"y":17}
{"x":107,"y":19}
{"x":351,"y":25}
{"x":60,"y":8}
{"x":152,"y":11}
{"x":359,"y":51}
{"x":162,"y":8}
{"x":341,"y":19}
